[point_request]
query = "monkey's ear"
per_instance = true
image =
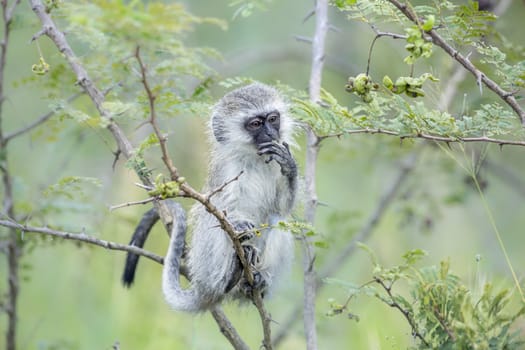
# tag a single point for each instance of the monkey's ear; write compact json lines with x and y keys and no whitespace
{"x":218,"y":129}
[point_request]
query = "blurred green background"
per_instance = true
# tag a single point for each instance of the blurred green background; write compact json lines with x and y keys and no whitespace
{"x":71,"y":296}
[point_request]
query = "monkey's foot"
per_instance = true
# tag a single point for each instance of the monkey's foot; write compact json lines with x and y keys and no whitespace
{"x":259,"y":283}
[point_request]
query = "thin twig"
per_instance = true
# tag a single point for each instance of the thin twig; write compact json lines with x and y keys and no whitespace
{"x":429,"y":137}
{"x":50,"y":29}
{"x":40,"y":120}
{"x":174,"y":174}
{"x":303,"y":39}
{"x":380,"y":34}
{"x":443,"y":324}
{"x":129,"y":204}
{"x":393,"y":303}
{"x":82,"y":237}
{"x":220,"y":188}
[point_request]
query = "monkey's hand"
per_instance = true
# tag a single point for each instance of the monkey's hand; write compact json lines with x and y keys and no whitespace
{"x":244,"y":230}
{"x":282,"y":155}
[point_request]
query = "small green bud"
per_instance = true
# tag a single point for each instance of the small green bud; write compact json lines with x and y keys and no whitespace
{"x":429,"y":23}
{"x":387,"y":82}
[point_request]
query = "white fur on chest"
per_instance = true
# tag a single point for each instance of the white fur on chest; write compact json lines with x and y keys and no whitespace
{"x":257,"y":192}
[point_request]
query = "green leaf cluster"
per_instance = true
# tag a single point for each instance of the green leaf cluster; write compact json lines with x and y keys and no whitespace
{"x":390,"y":112}
{"x":71,"y":186}
{"x":441,"y":310}
{"x":107,"y":34}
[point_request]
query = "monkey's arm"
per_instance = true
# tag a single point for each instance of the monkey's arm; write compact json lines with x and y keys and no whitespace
{"x":138,"y":239}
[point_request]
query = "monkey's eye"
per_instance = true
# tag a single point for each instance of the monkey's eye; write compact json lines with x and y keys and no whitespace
{"x":255,"y":124}
{"x":272,"y":117}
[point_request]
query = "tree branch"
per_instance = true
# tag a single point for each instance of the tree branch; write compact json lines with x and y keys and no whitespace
{"x":40,"y":120}
{"x":82,"y":237}
{"x":13,"y":245}
{"x":312,"y":151}
{"x":393,"y":303}
{"x":227,"y":329}
{"x":174,"y":174}
{"x":506,"y":96}
{"x":429,"y":137}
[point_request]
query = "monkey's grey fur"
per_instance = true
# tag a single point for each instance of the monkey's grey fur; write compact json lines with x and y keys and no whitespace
{"x":250,"y":131}
{"x":263,"y":195}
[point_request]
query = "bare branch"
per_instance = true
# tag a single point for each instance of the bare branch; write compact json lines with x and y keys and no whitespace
{"x":380,"y":34}
{"x":129,"y":204}
{"x":393,"y":303}
{"x":227,"y":329}
{"x":40,"y":120}
{"x":465,"y":62}
{"x":312,"y":151}
{"x":303,"y":38}
{"x":429,"y":137}
{"x":82,"y":237}
{"x":14,"y":250}
{"x":219,"y":189}
{"x":174,"y":174}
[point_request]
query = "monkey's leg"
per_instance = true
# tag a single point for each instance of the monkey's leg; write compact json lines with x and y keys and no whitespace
{"x":245,"y":233}
{"x":252,"y":255}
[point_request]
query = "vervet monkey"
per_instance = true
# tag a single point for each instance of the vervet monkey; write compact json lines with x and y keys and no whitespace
{"x":250,"y":132}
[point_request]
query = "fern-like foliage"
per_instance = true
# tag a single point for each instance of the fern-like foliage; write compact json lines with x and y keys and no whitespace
{"x":442,"y":312}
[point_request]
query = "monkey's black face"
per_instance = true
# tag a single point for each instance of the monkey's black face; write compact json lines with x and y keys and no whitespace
{"x":264,"y":128}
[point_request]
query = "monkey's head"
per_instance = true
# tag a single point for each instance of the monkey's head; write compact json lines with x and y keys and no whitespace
{"x":251,"y":115}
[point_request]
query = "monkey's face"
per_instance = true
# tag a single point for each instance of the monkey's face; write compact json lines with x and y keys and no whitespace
{"x":264,"y":128}
{"x":250,"y":116}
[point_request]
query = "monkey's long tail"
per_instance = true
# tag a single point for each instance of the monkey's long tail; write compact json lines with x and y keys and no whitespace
{"x":138,"y":239}
{"x":178,"y":298}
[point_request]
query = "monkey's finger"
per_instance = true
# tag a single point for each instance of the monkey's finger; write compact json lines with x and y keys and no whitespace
{"x":271,"y":144}
{"x":273,"y":150}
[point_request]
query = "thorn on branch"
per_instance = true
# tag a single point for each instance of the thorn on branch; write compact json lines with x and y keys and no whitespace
{"x":304,"y":39}
{"x":334,"y":28}
{"x":219,"y":189}
{"x":38,"y":34}
{"x":309,"y":15}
